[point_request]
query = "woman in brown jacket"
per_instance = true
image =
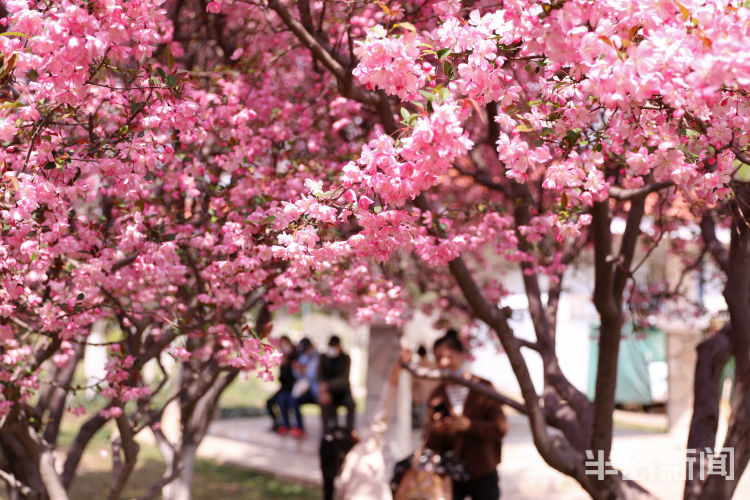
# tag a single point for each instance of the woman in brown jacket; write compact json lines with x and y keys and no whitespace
{"x":466,"y":422}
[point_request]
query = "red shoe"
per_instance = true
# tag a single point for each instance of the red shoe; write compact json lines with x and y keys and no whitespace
{"x":297,"y":432}
{"x":282,"y":430}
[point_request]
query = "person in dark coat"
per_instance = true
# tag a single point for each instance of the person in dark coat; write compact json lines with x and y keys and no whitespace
{"x":466,"y":422}
{"x":333,"y":386}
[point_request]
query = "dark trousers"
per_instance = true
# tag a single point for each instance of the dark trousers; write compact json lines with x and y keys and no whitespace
{"x":271,"y":406}
{"x":330,"y":419}
{"x":482,"y":488}
{"x":289,"y":402}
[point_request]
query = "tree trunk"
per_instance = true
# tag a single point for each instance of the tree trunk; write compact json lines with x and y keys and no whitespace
{"x":713,"y":354}
{"x":718,"y":485}
{"x":737,"y":295}
{"x":180,"y":488}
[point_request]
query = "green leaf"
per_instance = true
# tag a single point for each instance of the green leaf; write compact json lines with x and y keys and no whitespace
{"x":171,"y":81}
{"x":448,"y":69}
{"x":80,"y":296}
{"x":571,"y":138}
{"x":524,"y":128}
{"x":444,"y":94}
{"x":429,"y":95}
{"x":443,"y":53}
{"x":14,"y":33}
{"x":405,"y":114}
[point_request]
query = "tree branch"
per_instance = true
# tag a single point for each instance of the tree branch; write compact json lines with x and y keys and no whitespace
{"x":323,"y":52}
{"x":619,"y":193}
{"x":437,"y":374}
{"x":718,"y":251}
{"x":14,"y":483}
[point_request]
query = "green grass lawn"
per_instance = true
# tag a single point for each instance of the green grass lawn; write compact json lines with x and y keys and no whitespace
{"x":244,"y":397}
{"x":211,"y":481}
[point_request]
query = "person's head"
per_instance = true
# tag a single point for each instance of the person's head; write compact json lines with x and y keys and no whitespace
{"x":285,"y":345}
{"x":449,"y":351}
{"x":305,"y":345}
{"x":334,"y":347}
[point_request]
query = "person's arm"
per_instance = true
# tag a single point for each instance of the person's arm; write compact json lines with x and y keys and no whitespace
{"x":437,"y":430}
{"x":312,"y":368}
{"x":492,"y":425}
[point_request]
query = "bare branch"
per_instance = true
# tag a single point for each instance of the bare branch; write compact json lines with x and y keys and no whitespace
{"x":619,"y":193}
{"x":485,"y":180}
{"x":323,"y":52}
{"x":121,"y":471}
{"x":125,"y":261}
{"x":14,"y":483}
{"x":718,"y":251}
{"x":437,"y":374}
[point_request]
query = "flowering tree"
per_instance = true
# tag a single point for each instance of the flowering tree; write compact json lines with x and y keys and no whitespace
{"x":715,"y":350}
{"x":182,"y":168}
{"x":525,"y":128}
{"x":147,"y":178}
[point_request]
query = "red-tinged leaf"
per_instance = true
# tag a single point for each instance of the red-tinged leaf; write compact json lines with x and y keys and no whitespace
{"x":384,"y":7}
{"x":475,"y":105}
{"x":406,"y":26}
{"x":683,"y":9}
{"x":707,"y":41}
{"x":634,"y":32}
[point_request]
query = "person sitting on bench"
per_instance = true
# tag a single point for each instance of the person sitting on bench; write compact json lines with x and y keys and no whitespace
{"x":333,"y":386}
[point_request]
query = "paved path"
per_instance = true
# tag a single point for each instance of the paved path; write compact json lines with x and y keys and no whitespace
{"x":652,"y":457}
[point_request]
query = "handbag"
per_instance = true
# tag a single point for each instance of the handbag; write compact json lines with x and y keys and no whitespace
{"x":300,"y":387}
{"x":421,"y":479}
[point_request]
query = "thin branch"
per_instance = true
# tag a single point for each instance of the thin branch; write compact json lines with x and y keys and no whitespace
{"x":485,"y":180}
{"x":322,"y":51}
{"x":619,"y":193}
{"x":718,"y":251}
{"x":125,"y":261}
{"x":437,"y":374}
{"x":527,"y":343}
{"x":121,"y":471}
{"x":14,"y":483}
{"x":156,"y":488}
